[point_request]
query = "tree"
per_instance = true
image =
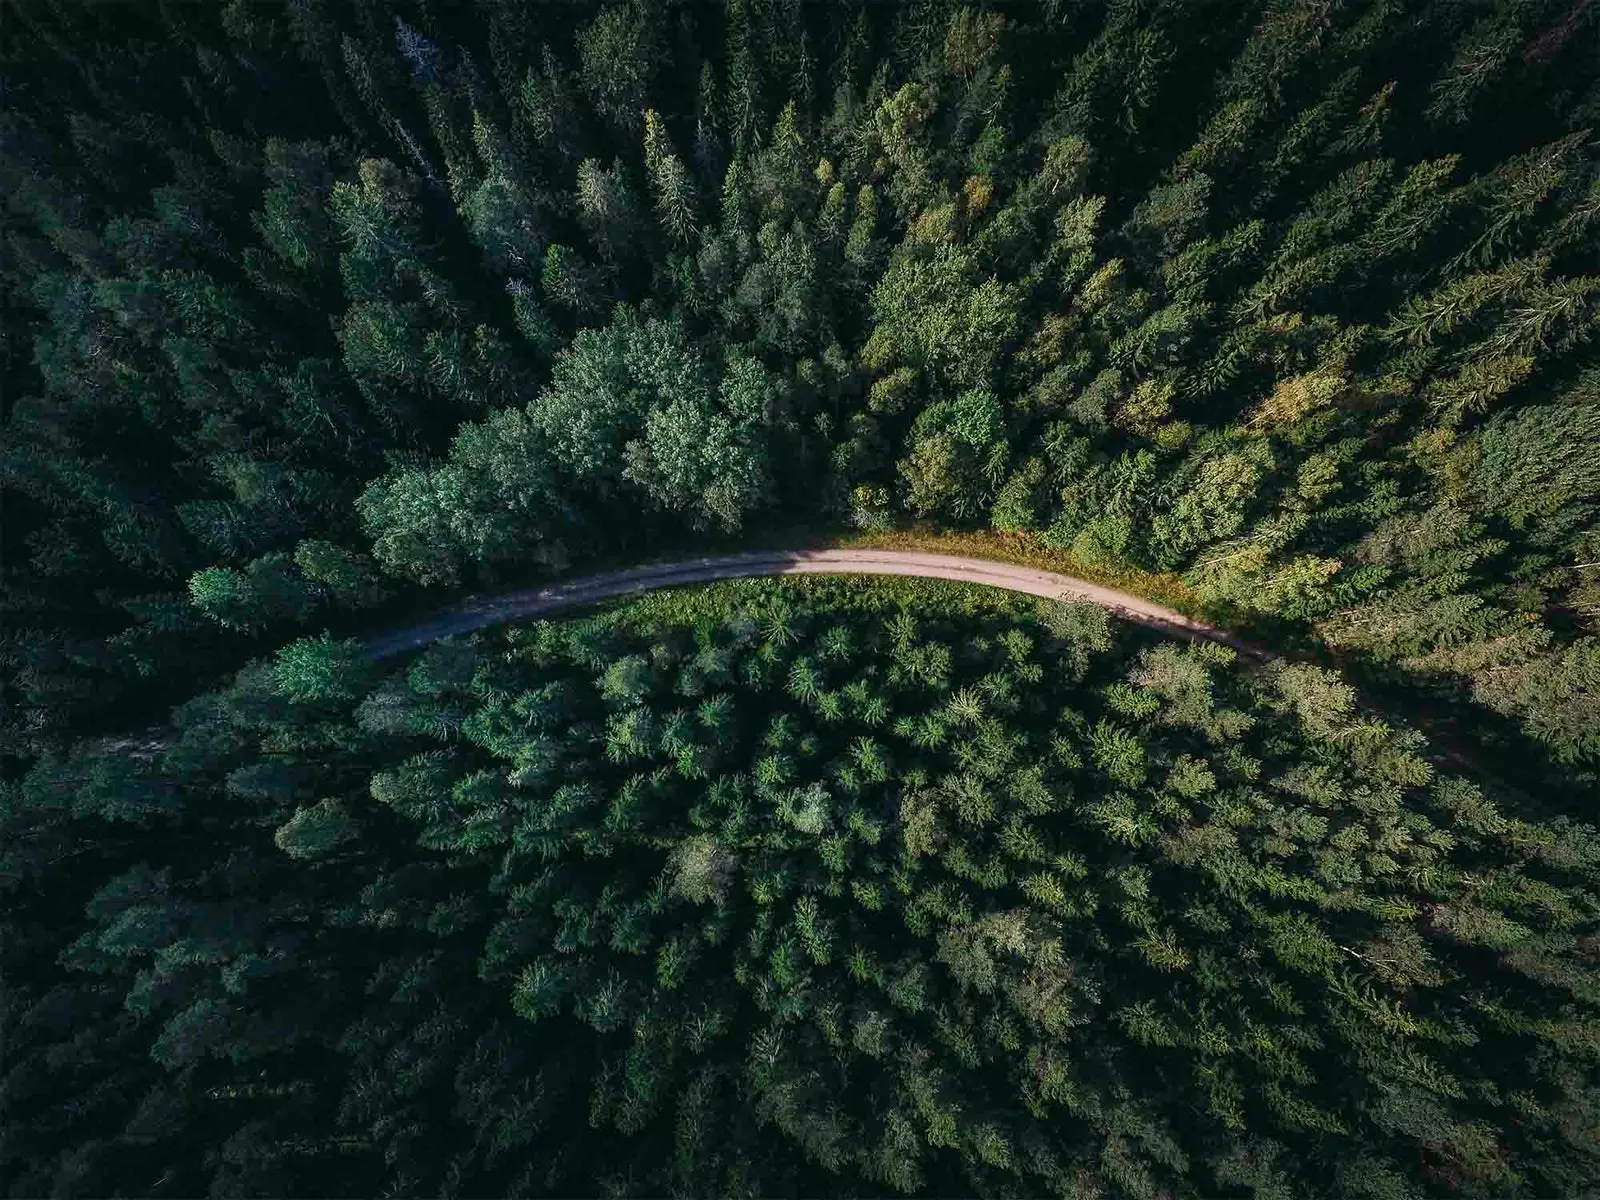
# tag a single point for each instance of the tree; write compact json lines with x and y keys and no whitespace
{"x":318,"y":670}
{"x":270,"y":589}
{"x":1556,"y":694}
{"x":1213,"y":490}
{"x":505,"y":223}
{"x":618,"y":51}
{"x":293,"y":219}
{"x":935,"y":313}
{"x":670,"y":183}
{"x":314,"y":832}
{"x":603,"y":388}
{"x":1536,"y":461}
{"x":606,"y":207}
{"x":310,"y":304}
{"x":958,"y":456}
{"x":350,"y":576}
{"x":709,"y":462}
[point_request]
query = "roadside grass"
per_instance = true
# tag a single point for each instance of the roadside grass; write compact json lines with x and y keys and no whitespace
{"x":1028,"y":549}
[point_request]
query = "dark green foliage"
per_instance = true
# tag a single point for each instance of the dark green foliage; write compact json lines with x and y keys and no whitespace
{"x":309,"y":305}
{"x":827,"y":888}
{"x":1280,"y":274}
{"x":1221,"y":289}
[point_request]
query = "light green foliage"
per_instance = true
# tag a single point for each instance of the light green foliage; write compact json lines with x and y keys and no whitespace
{"x":314,"y":670}
{"x":502,"y":220}
{"x":939,"y":315}
{"x":617,"y":52}
{"x":293,"y":218}
{"x":670,"y":181}
{"x":704,"y":458}
{"x":1538,"y":461}
{"x":1319,"y":698}
{"x":958,"y":456}
{"x":491,"y":499}
{"x":605,"y":385}
{"x":222,"y":593}
{"x":1557,"y":695}
{"x":350,"y":576}
{"x":606,"y":206}
{"x":268,"y":590}
{"x":1263,"y":283}
{"x":632,"y":404}
{"x":1211,"y":498}
{"x":700,"y":869}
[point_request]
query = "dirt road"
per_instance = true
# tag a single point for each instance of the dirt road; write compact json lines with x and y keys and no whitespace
{"x":484,"y":611}
{"x":480,"y":612}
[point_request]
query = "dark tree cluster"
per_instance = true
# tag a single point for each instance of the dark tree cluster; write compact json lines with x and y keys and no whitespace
{"x":779,"y":889}
{"x":309,"y":303}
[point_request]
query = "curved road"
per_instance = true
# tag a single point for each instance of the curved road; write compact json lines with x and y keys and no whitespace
{"x":479,"y":612}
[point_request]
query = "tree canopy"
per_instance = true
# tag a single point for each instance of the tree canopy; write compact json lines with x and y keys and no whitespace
{"x":823,"y":886}
{"x":319,"y":314}
{"x":1231,"y":291}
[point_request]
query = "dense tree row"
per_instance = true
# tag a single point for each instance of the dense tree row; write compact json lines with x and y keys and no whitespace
{"x":309,"y":302}
{"x":778,"y":888}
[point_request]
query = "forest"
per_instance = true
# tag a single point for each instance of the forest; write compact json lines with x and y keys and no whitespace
{"x":771,"y":889}
{"x":321,"y":313}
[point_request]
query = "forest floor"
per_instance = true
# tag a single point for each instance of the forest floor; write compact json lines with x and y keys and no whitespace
{"x":480,"y":612}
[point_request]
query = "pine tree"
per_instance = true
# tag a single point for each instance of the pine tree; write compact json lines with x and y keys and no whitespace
{"x":670,"y":183}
